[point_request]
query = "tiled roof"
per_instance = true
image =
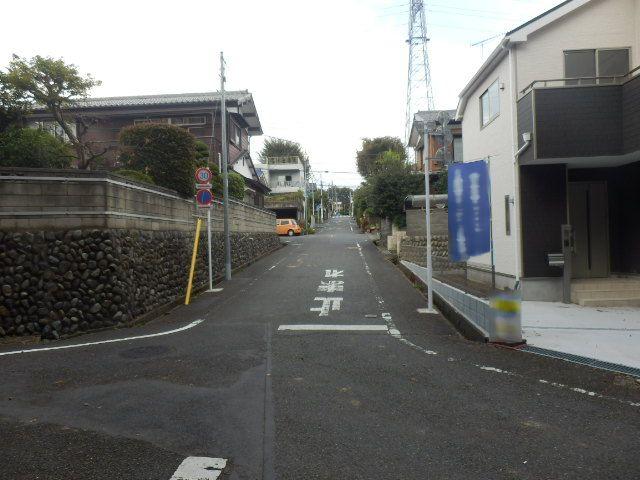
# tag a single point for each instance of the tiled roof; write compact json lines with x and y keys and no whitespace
{"x":167,"y":99}
{"x":431,"y":115}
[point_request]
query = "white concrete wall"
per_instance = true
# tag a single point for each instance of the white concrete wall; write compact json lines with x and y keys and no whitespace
{"x":598,"y":24}
{"x":494,"y":141}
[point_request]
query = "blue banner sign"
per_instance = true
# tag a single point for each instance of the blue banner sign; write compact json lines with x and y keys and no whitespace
{"x":469,"y":210}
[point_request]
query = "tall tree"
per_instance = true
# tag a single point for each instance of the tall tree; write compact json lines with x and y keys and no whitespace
{"x":278,"y":147}
{"x":55,"y":85}
{"x":373,"y":149}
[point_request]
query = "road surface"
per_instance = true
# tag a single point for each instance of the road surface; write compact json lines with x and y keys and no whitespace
{"x":312,"y":363}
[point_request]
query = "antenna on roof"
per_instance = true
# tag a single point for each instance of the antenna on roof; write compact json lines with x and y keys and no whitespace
{"x":482,"y":42}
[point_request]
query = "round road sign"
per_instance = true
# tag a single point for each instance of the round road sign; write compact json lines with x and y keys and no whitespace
{"x":204,"y":198}
{"x":203,"y":175}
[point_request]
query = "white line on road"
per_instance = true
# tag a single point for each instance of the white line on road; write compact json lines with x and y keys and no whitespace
{"x":277,"y":263}
{"x":332,"y":328}
{"x":199,"y":468}
{"x":115,"y":340}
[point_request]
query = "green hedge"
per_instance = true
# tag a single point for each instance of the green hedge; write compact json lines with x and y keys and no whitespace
{"x":33,"y":148}
{"x":165,"y":152}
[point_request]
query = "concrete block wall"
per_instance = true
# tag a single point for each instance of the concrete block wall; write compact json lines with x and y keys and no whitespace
{"x":32,"y":199}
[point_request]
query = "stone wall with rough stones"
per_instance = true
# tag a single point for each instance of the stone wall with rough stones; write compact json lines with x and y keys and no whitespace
{"x":57,"y":283}
{"x":414,"y":249}
{"x":82,"y":250}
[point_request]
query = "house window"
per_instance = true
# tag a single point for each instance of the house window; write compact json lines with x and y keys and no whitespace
{"x":490,"y":104}
{"x":457,"y":149}
{"x":595,"y":63}
{"x":235,"y":134}
{"x":287,"y":178}
{"x":54,"y":128}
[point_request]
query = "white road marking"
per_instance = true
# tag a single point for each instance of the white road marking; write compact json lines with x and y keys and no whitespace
{"x":199,"y":468}
{"x":215,"y":290}
{"x":277,"y":263}
{"x":115,"y":340}
{"x":426,"y":310}
{"x":328,"y":304}
{"x":331,"y":286}
{"x":395,"y":333}
{"x":336,"y":328}
{"x":333,"y":273}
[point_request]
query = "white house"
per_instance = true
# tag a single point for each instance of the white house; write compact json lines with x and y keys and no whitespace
{"x":568,"y":81}
{"x":284,"y":174}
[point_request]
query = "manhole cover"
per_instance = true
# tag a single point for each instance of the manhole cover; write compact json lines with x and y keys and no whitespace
{"x":146,"y":352}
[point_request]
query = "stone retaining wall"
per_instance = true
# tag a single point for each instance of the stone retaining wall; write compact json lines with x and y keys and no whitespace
{"x":58,"y":283}
{"x":414,"y":250}
{"x":86,"y":250}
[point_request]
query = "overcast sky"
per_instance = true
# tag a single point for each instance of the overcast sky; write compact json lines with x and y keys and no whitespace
{"x":323,"y":73}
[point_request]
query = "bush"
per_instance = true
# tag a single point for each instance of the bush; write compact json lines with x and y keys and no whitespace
{"x":202,"y":153}
{"x":165,"y":152}
{"x":236,"y":184}
{"x":32,"y":148}
{"x":135,"y":175}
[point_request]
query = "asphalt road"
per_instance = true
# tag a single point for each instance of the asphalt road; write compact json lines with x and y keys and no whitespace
{"x":422,"y":403}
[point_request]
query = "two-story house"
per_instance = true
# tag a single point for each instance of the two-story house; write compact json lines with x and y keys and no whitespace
{"x":441,"y":142}
{"x":101,"y":119}
{"x":284,"y":174}
{"x":555,"y":109}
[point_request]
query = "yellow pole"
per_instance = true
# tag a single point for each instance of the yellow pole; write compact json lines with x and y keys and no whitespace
{"x":193,"y":262}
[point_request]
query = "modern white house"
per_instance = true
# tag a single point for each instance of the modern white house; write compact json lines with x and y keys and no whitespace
{"x":555,"y":109}
{"x":284,"y":174}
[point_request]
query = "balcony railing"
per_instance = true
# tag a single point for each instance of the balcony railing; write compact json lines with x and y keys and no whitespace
{"x":576,"y":120}
{"x":282,"y":160}
{"x":582,"y":81}
{"x":289,"y":183}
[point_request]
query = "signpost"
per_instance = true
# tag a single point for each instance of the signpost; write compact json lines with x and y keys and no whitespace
{"x":204,"y":198}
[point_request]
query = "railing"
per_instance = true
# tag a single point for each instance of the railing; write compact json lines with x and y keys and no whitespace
{"x":582,"y":81}
{"x":282,"y":160}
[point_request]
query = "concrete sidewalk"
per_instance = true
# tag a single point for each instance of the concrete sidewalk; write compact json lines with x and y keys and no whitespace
{"x":602,"y":333}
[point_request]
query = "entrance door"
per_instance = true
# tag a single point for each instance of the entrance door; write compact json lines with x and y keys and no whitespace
{"x":588,"y":215}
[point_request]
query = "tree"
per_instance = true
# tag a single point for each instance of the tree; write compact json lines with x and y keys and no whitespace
{"x":278,"y":147}
{"x":373,"y":149}
{"x":56,"y":86}
{"x":31,"y":148}
{"x":383,"y":192}
{"x":165,"y":152}
{"x":12,"y":108}
{"x":236,"y":183}
{"x":202,"y":153}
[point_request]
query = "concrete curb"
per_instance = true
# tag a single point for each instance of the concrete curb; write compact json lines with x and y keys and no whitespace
{"x":459,"y":321}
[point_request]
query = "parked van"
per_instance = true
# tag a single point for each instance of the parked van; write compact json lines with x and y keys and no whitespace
{"x":287,"y":226}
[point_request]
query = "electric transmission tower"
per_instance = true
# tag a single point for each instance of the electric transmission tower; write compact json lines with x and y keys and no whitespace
{"x":419,"y":94}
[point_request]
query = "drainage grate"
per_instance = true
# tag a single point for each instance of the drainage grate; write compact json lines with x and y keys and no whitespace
{"x":591,"y":362}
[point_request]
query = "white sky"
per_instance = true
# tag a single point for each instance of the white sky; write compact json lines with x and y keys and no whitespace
{"x":323,"y":73}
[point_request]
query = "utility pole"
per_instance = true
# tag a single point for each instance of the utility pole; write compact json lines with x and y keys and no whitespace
{"x":304,"y":186}
{"x":427,"y":207}
{"x":321,"y":202}
{"x":225,"y":174}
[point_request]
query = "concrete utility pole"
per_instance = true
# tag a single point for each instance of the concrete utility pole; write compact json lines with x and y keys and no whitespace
{"x":304,"y":186}
{"x":427,"y":207}
{"x":225,"y":174}
{"x":321,"y":202}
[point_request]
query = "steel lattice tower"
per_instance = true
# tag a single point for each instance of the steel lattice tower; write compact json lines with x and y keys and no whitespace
{"x":419,"y":93}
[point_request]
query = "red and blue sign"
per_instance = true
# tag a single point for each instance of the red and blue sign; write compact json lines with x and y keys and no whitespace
{"x":204,"y":198}
{"x":469,"y":210}
{"x":203,"y":175}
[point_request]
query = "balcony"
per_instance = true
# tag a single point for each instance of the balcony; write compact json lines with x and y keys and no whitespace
{"x":583,"y":120}
{"x":286,"y":186}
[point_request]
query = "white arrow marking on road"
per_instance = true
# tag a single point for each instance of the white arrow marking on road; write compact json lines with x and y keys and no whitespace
{"x":115,"y":340}
{"x":328,"y":303}
{"x":199,"y":468}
